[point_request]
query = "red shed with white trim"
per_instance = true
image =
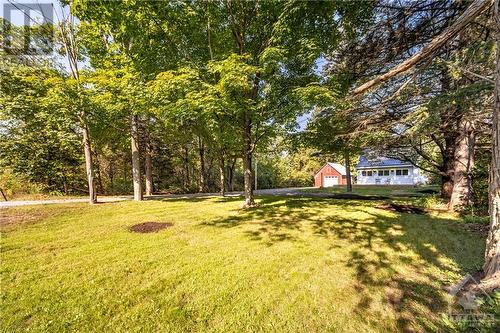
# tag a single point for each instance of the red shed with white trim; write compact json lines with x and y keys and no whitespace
{"x":330,"y":174}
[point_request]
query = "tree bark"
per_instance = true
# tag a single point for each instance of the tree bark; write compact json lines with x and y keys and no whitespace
{"x":136,"y":162}
{"x":448,"y":167}
{"x":148,"y":165}
{"x":111,"y":175}
{"x":247,"y":161}
{"x":88,"y":164}
{"x":231,"y":175}
{"x":222,"y":173}
{"x":448,"y":128}
{"x":100,"y":186}
{"x":463,"y":164}
{"x":474,"y":9}
{"x":187,"y":180}
{"x":492,"y":255}
{"x":201,"y":150}
{"x":347,"y":160}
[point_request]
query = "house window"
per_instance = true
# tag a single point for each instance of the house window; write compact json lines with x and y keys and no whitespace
{"x":405,"y":172}
{"x":386,"y":172}
{"x":381,"y":173}
{"x":363,"y":173}
{"x":398,"y":172}
{"x":369,"y":173}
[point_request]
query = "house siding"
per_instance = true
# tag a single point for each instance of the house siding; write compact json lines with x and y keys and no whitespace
{"x":412,"y":178}
{"x":327,"y":170}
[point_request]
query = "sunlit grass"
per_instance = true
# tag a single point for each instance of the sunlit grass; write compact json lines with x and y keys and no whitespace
{"x":290,"y":265}
{"x":382,"y":190}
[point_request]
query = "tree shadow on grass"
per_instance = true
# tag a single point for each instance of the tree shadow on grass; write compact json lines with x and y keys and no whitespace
{"x":399,"y":259}
{"x":203,"y":198}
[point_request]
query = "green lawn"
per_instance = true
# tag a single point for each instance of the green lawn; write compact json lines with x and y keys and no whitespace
{"x":290,"y":265}
{"x":385,"y":190}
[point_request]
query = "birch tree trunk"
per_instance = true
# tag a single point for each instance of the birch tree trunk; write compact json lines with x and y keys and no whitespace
{"x":136,"y":161}
{"x":492,"y":256}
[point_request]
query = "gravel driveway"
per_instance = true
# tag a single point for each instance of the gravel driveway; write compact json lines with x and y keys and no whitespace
{"x":278,"y":191}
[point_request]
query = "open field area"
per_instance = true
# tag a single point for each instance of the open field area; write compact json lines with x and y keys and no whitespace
{"x":289,"y":265}
{"x":158,"y":158}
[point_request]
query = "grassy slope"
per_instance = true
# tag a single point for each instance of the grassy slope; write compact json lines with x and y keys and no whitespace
{"x":296,"y":265}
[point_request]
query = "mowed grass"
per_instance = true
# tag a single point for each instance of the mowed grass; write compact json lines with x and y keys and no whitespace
{"x":381,"y":190}
{"x":290,"y":265}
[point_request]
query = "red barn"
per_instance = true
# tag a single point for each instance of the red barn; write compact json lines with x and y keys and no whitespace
{"x":330,"y":174}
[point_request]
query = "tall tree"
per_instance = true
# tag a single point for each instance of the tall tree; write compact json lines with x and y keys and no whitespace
{"x":72,"y":50}
{"x":492,"y":254}
{"x":276,"y":45}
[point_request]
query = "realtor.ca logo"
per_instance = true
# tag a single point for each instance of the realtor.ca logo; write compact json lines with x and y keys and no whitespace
{"x":27,"y":28}
{"x":466,"y":308}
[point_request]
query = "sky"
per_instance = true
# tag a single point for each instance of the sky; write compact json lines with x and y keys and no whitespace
{"x":34,"y":12}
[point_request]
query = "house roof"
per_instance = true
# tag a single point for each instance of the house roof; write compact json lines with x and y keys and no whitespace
{"x":380,"y":162}
{"x":339,"y":167}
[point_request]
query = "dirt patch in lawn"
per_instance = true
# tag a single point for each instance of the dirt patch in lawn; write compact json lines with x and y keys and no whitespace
{"x":402,"y":209}
{"x":11,"y":218}
{"x":148,"y":227}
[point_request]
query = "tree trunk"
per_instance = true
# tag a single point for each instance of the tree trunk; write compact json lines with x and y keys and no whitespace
{"x":126,"y":161}
{"x":446,"y":185}
{"x":88,"y":164}
{"x":187,"y":180}
{"x":247,"y":162}
{"x":98,"y":172}
{"x":136,"y":161}
{"x":222,"y":173}
{"x":231,"y":175}
{"x":148,"y":165}
{"x":347,"y":160}
{"x":463,"y":164}
{"x":448,"y":129}
{"x":201,"y":150}
{"x":492,"y":256}
{"x":111,"y":175}
{"x":448,"y":163}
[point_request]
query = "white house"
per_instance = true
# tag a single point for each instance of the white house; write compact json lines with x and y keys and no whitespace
{"x":388,"y":171}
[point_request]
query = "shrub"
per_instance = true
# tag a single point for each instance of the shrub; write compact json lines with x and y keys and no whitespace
{"x":14,"y":184}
